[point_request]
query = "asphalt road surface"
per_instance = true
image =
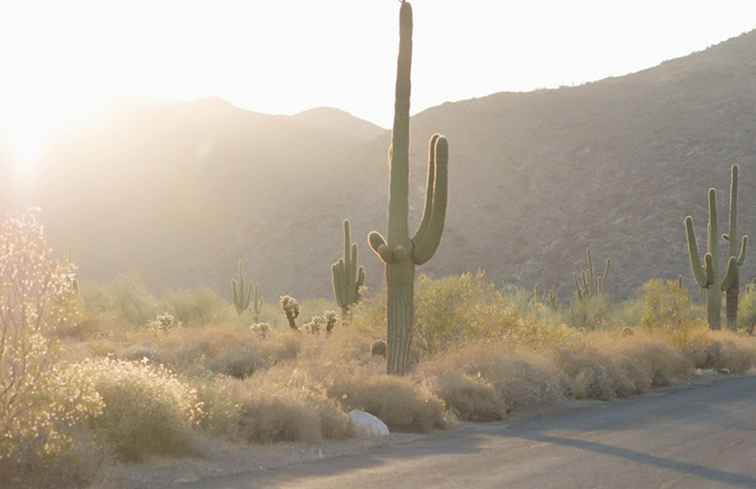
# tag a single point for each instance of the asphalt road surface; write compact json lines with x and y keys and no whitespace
{"x":690,"y":437}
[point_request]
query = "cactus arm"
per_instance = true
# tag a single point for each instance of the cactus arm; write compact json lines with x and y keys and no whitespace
{"x":428,"y":211}
{"x":235,"y":293}
{"x":347,"y":260}
{"x":742,"y":253}
{"x":733,"y":234}
{"x":708,"y":271}
{"x":338,"y":286}
{"x":378,"y":244}
{"x":426,"y":244}
{"x":713,"y":232}
{"x":695,"y":261}
{"x":731,"y":275}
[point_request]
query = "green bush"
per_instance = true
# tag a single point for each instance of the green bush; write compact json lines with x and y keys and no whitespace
{"x":747,"y":310}
{"x":665,"y":304}
{"x":197,"y":307}
{"x":589,"y":313}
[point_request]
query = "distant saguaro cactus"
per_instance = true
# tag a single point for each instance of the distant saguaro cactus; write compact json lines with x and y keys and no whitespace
{"x":347,"y":277}
{"x":246,"y":295}
{"x":590,"y":283}
{"x":399,"y":253}
{"x":731,"y":281}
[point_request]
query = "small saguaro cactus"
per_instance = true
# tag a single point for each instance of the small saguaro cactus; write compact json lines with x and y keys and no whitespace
{"x":736,"y":255}
{"x":246,"y":295}
{"x":400,"y":253}
{"x":590,"y":283}
{"x":347,"y":277}
{"x":290,"y":307}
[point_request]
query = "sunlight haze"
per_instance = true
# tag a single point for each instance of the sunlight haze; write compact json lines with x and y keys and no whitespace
{"x":65,"y":58}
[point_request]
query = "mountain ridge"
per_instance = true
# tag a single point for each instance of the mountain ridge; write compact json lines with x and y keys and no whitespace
{"x":535,"y":177}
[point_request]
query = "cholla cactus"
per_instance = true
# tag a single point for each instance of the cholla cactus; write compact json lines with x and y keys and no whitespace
{"x":330,"y":318}
{"x":315,"y":325}
{"x":590,"y":283}
{"x":163,"y":322}
{"x":290,"y":307}
{"x":261,"y":329}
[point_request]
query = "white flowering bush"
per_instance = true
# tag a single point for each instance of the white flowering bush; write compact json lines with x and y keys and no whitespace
{"x":39,"y":401}
{"x":148,"y":409}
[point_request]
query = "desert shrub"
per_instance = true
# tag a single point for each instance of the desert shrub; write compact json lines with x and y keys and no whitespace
{"x":747,"y":310}
{"x":148,"y":410}
{"x":487,"y":380}
{"x":38,"y":401}
{"x":470,"y":397}
{"x":269,"y":407}
{"x":442,"y":307}
{"x":227,"y":350}
{"x":665,"y":304}
{"x":402,"y":403}
{"x":607,"y":366}
{"x":589,"y":313}
{"x":708,"y":349}
{"x":126,"y":299}
{"x":42,"y":403}
{"x":197,"y":307}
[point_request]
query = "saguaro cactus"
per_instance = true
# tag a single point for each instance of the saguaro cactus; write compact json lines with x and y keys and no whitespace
{"x":347,"y":278}
{"x":246,"y":295}
{"x":589,"y":283}
{"x":707,"y":275}
{"x":731,"y":281}
{"x":400,"y":253}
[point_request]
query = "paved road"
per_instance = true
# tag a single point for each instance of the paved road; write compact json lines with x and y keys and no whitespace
{"x":688,"y":438}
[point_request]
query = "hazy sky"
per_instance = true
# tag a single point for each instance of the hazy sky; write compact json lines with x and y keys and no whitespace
{"x":284,"y":56}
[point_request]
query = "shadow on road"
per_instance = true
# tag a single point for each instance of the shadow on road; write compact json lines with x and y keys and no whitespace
{"x":714,"y":475}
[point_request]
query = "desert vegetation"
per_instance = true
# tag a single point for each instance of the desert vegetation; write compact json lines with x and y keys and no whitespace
{"x":103,"y":373}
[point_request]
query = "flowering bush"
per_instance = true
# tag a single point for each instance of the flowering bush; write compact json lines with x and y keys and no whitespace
{"x":147,"y":408}
{"x":38,"y":400}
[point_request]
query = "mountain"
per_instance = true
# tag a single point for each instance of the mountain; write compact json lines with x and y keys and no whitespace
{"x":352,"y":128}
{"x":179,"y":191}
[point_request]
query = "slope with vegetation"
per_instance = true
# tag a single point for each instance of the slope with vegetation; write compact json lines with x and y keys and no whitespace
{"x":179,"y":191}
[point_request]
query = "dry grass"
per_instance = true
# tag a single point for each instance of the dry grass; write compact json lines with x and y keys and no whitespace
{"x":281,"y":405}
{"x":229,"y":350}
{"x":485,"y":381}
{"x":402,"y":403}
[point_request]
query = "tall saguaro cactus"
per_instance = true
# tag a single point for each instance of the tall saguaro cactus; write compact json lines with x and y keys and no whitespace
{"x":347,"y":277}
{"x":400,"y":253}
{"x":731,"y":281}
{"x":707,"y":275}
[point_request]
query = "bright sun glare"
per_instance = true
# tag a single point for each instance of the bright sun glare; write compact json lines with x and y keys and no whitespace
{"x":287,"y":56}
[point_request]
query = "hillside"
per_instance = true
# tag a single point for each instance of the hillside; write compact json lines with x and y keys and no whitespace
{"x":178,"y":191}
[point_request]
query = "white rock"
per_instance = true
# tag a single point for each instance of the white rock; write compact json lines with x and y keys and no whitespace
{"x":367,"y":426}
